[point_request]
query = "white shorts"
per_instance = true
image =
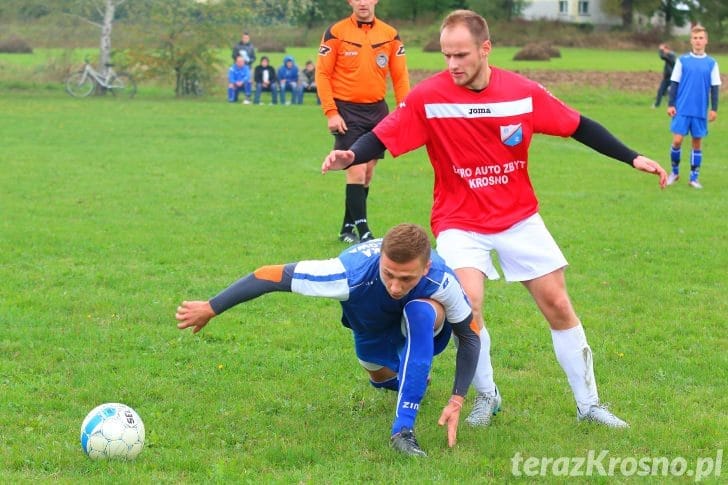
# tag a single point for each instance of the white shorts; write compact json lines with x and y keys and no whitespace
{"x":525,"y":251}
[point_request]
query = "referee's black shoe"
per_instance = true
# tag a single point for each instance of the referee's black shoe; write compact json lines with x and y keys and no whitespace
{"x":348,"y":238}
{"x":368,"y":236}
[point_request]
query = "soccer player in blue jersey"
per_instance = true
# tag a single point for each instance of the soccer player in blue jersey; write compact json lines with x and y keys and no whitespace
{"x":401,"y":303}
{"x":695,"y":83}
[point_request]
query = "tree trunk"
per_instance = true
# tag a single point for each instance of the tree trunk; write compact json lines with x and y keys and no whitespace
{"x":105,"y":47}
{"x":627,"y":13}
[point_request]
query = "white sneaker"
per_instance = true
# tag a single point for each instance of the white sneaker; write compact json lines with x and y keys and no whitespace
{"x":598,"y":413}
{"x":695,"y":184}
{"x":246,"y":101}
{"x":484,"y":408}
{"x":672,"y":178}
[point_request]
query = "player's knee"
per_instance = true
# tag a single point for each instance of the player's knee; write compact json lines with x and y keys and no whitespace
{"x":561,"y":307}
{"x":391,"y":384}
{"x":421,"y":313}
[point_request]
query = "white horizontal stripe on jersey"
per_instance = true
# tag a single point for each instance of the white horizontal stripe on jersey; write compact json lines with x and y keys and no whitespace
{"x":479,"y":110}
{"x":326,"y":278}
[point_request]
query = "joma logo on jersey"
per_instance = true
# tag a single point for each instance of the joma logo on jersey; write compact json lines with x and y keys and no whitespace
{"x":400,"y":51}
{"x":479,"y":111}
{"x":324,"y":49}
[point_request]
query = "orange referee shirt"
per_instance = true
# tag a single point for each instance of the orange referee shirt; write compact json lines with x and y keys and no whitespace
{"x":353,"y":62}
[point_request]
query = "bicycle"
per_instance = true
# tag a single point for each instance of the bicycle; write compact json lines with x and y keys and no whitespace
{"x":82,"y":83}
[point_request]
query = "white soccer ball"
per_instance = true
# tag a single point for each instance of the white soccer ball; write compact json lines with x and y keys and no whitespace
{"x":112,"y":431}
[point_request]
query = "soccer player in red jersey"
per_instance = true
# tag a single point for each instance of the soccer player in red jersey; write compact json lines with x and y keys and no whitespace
{"x":476,"y":122}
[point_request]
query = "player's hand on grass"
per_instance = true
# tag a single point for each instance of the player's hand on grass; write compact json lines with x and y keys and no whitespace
{"x":194,"y":314}
{"x":451,"y":416}
{"x":650,"y":166}
{"x":337,"y":160}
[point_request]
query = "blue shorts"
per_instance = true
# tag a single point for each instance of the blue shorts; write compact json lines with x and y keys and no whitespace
{"x":385,"y":348}
{"x":682,"y":125}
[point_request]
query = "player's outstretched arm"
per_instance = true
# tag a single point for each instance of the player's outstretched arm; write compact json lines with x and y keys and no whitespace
{"x":365,"y":148}
{"x":650,"y":166}
{"x":194,"y":314}
{"x":597,"y":137}
{"x":265,"y":279}
{"x":337,"y":160}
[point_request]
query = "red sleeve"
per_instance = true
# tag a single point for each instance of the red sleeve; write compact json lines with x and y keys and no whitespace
{"x":551,"y":115}
{"x":390,"y":131}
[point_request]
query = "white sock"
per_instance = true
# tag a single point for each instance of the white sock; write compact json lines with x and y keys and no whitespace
{"x":483,"y":380}
{"x":575,"y":357}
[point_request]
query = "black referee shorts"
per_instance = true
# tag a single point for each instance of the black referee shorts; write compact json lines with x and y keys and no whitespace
{"x":360,"y":119}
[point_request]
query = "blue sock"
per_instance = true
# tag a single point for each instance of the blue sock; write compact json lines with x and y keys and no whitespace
{"x":415,"y":362}
{"x":391,"y":384}
{"x":675,"y":159}
{"x":696,"y":160}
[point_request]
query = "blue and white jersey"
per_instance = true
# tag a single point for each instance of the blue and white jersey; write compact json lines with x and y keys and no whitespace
{"x":353,"y":278}
{"x":695,"y":75}
{"x":239,"y":74}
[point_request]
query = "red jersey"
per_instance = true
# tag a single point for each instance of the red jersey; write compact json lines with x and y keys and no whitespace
{"x":478,"y":144}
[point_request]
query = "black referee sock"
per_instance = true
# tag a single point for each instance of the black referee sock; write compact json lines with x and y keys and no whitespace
{"x":348,"y":225}
{"x":356,"y":204}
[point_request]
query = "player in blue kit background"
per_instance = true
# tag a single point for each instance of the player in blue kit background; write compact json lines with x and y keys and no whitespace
{"x":401,"y":303}
{"x":695,"y":84}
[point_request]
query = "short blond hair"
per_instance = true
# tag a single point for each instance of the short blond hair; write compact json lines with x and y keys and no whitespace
{"x":698,"y":29}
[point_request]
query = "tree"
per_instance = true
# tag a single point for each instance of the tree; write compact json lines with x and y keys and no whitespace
{"x":183,"y":42}
{"x":106,"y":26}
{"x":306,"y":12}
{"x":626,"y":9}
{"x":673,"y":13}
{"x":713,"y":15}
{"x":498,"y":9}
{"x":100,"y":13}
{"x":622,"y":8}
{"x":409,"y":9}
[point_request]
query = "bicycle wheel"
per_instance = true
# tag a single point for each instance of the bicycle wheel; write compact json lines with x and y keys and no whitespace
{"x":79,"y":84}
{"x":123,"y":84}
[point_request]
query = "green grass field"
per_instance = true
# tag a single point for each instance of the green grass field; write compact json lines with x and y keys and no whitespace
{"x":113,"y":211}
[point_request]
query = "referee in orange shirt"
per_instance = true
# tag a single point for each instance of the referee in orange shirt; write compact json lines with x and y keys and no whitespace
{"x":351,"y":76}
